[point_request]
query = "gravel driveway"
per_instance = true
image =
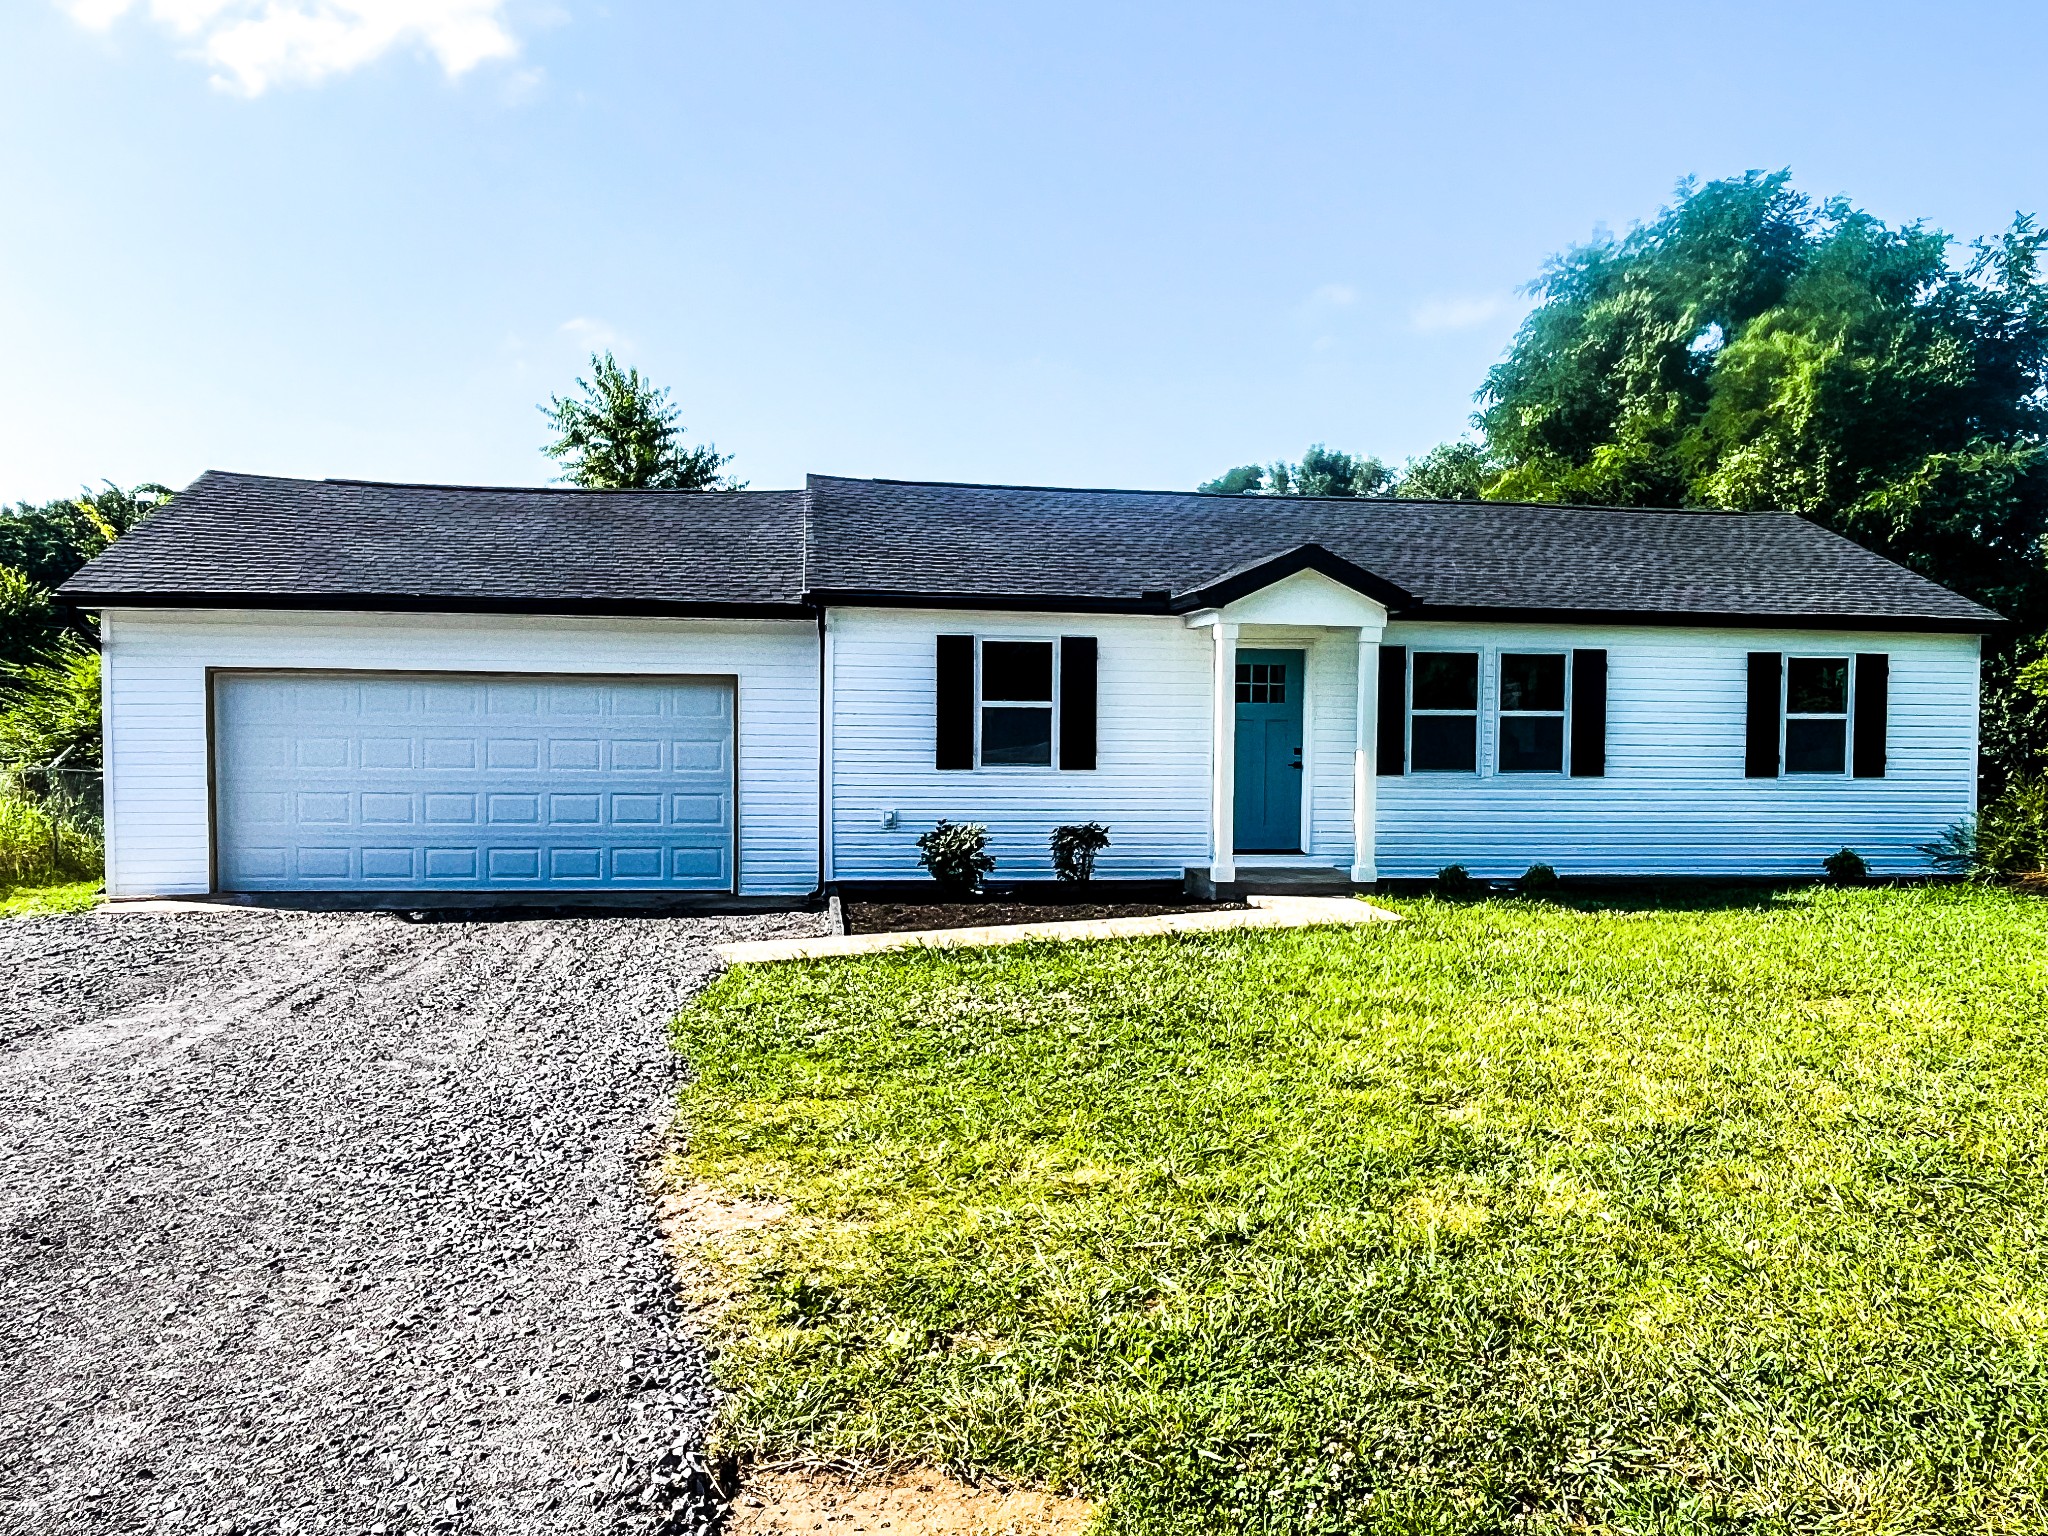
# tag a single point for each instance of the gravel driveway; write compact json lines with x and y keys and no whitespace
{"x":335,"y":1222}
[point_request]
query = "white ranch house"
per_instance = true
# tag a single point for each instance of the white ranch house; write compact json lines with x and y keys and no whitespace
{"x":408,"y":692}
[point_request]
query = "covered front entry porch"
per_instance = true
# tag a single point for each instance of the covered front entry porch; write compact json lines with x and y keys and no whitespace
{"x":1293,"y":721}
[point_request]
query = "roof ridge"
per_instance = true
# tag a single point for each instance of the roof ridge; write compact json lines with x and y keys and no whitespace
{"x":1334,"y":501}
{"x":523,"y":490}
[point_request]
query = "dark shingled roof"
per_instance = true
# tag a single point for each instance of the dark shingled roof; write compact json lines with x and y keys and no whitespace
{"x":259,"y":541}
{"x":1009,"y":544}
{"x":249,"y":540}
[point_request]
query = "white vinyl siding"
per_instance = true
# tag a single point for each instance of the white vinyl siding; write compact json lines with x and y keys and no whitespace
{"x":158,"y":751}
{"x":1150,"y":785}
{"x":1674,"y":799}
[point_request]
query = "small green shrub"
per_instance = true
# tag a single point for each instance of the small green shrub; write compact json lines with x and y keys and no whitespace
{"x":1538,"y":880}
{"x":2006,"y":839}
{"x":955,"y":853}
{"x":1074,"y":849}
{"x":1846,"y":867}
{"x":1454,"y":880}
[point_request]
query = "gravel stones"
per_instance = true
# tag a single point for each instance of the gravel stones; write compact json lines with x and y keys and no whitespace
{"x":338,"y":1223}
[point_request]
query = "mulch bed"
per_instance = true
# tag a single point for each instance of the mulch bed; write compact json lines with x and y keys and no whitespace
{"x":910,"y":916}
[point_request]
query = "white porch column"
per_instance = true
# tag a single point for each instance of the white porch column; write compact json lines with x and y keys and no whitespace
{"x":1223,"y":755}
{"x":1364,"y":764}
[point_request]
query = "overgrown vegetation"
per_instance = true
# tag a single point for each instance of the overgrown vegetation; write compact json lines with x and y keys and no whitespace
{"x":1517,"y":1216}
{"x":50,"y":838}
{"x":41,"y":844}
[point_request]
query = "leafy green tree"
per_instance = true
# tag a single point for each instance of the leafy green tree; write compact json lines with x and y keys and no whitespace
{"x":42,"y":546}
{"x":1451,"y":471}
{"x":1321,"y":472}
{"x":623,"y":434}
{"x":1751,"y":349}
{"x":1245,"y":480}
{"x":47,"y":543}
{"x":29,"y":624}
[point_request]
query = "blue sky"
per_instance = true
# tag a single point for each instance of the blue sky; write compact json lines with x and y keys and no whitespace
{"x":1095,"y":244}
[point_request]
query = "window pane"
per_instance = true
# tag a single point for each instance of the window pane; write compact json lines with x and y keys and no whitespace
{"x":1532,"y":682}
{"x":1262,"y":682}
{"x":1532,"y":743}
{"x":1814,"y":746}
{"x":1017,"y":669}
{"x":1444,"y":744}
{"x":1816,"y":687}
{"x":1446,"y":680}
{"x":1016,"y":737}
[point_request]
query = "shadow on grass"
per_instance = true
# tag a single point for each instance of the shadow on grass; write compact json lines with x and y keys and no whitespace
{"x":1654,"y":895}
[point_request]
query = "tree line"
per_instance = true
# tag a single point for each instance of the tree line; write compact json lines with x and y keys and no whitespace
{"x":1753,"y":349}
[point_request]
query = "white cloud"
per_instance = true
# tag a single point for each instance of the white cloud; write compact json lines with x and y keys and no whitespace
{"x":1333,"y":296}
{"x":255,"y":44}
{"x":592,"y":335}
{"x":1460,"y":314}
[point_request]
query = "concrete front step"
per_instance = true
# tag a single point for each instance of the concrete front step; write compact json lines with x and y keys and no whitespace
{"x":1272,"y":880}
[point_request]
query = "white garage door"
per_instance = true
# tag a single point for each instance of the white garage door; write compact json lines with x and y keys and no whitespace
{"x":448,"y":781}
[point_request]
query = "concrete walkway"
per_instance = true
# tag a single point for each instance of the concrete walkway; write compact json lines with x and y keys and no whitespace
{"x":1265,"y":912}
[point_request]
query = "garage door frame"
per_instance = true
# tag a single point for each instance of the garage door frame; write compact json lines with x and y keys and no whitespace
{"x":609,"y":674}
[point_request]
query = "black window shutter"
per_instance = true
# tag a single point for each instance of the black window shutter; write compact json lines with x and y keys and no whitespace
{"x":1077,"y":701}
{"x":1760,"y":757}
{"x":954,"y":714}
{"x":1393,"y":745}
{"x":1589,"y":715}
{"x":1873,"y":704}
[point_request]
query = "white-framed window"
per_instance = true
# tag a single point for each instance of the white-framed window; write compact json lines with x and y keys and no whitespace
{"x":1532,"y":692}
{"x":1014,"y":703}
{"x":1443,"y":711}
{"x":1816,"y":714}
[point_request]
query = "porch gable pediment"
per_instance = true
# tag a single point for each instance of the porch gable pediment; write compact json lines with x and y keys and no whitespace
{"x":1307,"y":586}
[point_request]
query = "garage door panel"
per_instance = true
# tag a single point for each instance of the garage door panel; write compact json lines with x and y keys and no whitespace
{"x":390,"y":781}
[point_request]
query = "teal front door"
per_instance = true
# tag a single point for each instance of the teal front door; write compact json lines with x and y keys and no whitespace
{"x":1269,"y":751}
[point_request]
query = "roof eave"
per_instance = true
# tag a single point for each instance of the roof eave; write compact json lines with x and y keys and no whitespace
{"x":1939,"y":624}
{"x":389,"y":602}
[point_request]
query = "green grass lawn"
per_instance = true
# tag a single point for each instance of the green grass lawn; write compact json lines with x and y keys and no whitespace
{"x":36,"y":900}
{"x":1721,"y":1216}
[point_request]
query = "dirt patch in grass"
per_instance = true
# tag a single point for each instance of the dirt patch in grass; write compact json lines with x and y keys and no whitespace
{"x":917,"y":1504}
{"x":913,"y":916}
{"x":694,"y":1215}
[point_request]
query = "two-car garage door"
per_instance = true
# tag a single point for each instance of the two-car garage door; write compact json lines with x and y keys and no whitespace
{"x":449,"y":781}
